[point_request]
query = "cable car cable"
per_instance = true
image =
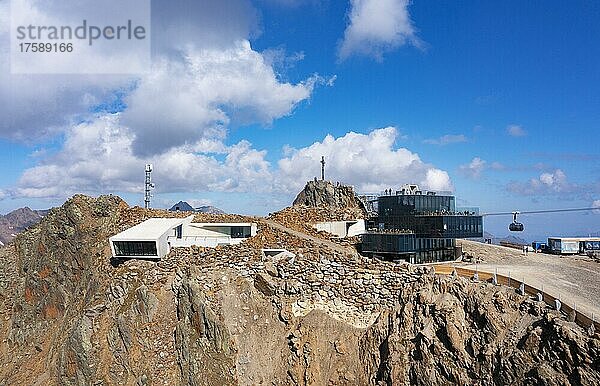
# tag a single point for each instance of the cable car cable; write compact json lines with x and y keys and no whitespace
{"x":540,"y":211}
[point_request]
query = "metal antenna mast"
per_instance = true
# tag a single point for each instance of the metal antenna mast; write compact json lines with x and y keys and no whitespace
{"x":322,"y":168}
{"x":148,"y":186}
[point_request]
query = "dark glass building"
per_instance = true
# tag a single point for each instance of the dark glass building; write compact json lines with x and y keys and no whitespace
{"x":417,"y":227}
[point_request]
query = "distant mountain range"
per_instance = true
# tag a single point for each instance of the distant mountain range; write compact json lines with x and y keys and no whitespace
{"x":496,"y":240}
{"x":17,"y":221}
{"x":183,"y":206}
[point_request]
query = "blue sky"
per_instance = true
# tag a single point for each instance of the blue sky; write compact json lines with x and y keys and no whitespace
{"x":502,"y":98}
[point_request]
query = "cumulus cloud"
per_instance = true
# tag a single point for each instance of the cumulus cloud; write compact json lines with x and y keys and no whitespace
{"x":198,"y":202}
{"x":368,"y":161}
{"x":497,"y":166}
{"x":181,"y":24}
{"x":547,"y":183}
{"x":376,"y":27}
{"x":35,"y":106}
{"x":179,"y":102}
{"x":205,"y":77}
{"x":474,"y":168}
{"x":98,"y":157}
{"x":446,"y":139}
{"x":516,"y":131}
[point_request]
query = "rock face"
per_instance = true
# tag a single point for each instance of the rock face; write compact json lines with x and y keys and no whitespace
{"x":325,"y":193}
{"x":230,"y":316}
{"x":457,"y":332}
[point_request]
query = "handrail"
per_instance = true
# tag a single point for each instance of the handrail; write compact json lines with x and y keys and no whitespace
{"x":580,"y":318}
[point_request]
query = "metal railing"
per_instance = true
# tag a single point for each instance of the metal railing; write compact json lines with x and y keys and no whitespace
{"x":581,"y":319}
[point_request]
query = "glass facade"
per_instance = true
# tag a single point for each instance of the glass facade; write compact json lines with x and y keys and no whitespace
{"x":135,"y":248}
{"x":240,"y":232}
{"x":408,"y":247}
{"x":591,"y":245}
{"x":435,"y":226}
{"x":429,"y":221}
{"x":394,"y":243}
{"x":414,"y":204}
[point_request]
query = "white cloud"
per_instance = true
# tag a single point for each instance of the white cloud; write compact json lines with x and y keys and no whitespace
{"x":368,"y":161}
{"x":546,"y":183}
{"x":376,"y":27}
{"x":206,"y":76}
{"x":198,"y":202}
{"x":437,"y":180}
{"x":596,"y":204}
{"x":98,"y":157}
{"x":497,"y":166}
{"x":38,"y":106}
{"x":474,"y":169}
{"x":516,"y":131}
{"x":280,"y":60}
{"x":179,"y":103}
{"x":447,"y":139}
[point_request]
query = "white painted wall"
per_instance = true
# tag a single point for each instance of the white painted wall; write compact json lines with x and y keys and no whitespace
{"x":357,"y":229}
{"x":203,"y":235}
{"x":342,"y":229}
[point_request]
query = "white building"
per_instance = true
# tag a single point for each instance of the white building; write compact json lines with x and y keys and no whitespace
{"x":214,"y":234}
{"x":154,"y":238}
{"x":573,"y":245}
{"x":342,"y":229}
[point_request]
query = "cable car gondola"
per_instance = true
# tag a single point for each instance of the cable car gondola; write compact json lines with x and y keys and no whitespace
{"x":515,"y":226}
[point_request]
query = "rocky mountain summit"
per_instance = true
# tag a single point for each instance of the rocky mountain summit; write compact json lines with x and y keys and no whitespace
{"x":320,"y":315}
{"x":325,"y":193}
{"x":17,"y":221}
{"x":183,"y":206}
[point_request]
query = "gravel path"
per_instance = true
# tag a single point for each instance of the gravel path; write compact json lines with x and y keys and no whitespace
{"x":575,"y":279}
{"x":336,"y":247}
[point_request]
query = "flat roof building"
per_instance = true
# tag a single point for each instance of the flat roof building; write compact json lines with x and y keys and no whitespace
{"x":418,"y":227}
{"x":154,"y":238}
{"x":573,"y":245}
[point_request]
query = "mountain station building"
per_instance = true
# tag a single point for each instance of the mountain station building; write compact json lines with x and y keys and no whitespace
{"x":154,"y":238}
{"x":418,"y":227}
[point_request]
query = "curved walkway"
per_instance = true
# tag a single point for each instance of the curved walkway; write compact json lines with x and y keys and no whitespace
{"x":329,"y":244}
{"x":573,"y":279}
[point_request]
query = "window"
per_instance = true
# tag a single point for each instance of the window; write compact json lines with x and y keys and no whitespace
{"x":135,"y":248}
{"x":240,"y":232}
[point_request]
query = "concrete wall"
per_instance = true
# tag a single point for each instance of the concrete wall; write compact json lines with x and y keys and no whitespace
{"x":163,"y":245}
{"x":357,"y":229}
{"x":203,"y":241}
{"x":342,"y":228}
{"x":210,"y":236}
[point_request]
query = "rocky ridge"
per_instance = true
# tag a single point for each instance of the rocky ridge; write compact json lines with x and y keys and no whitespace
{"x":326,"y":193}
{"x":230,"y":315}
{"x":17,"y":221}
